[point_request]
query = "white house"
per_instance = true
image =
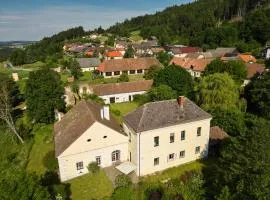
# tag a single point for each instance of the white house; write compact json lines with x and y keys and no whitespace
{"x":87,"y":133}
{"x":117,"y":92}
{"x":88,"y":64}
{"x":166,"y":134}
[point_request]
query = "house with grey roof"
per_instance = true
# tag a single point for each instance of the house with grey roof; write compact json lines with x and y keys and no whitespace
{"x":166,"y":134}
{"x":88,"y":64}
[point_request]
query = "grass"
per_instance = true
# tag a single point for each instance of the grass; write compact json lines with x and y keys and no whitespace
{"x":124,"y":108}
{"x":96,"y":186}
{"x":86,"y":76}
{"x":43,"y":144}
{"x":37,"y":64}
{"x":135,"y":36}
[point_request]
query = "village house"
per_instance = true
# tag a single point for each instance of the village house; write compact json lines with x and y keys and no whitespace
{"x":117,"y":92}
{"x":113,"y":55}
{"x":194,"y":66}
{"x":88,"y":64}
{"x":182,"y":51}
{"x":166,"y":134}
{"x":88,"y":133}
{"x":221,"y":51}
{"x":131,"y":66}
{"x":253,"y":69}
{"x":122,"y":44}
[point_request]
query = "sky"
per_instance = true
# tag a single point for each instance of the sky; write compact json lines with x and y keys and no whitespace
{"x":35,"y":19}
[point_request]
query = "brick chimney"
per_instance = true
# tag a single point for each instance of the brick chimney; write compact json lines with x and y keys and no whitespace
{"x":181,"y":101}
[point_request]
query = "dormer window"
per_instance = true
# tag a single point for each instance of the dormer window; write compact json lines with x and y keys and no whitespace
{"x":105,"y":136}
{"x":89,"y":140}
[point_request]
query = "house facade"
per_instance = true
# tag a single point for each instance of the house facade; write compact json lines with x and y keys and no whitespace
{"x":88,"y":64}
{"x":130,"y":66}
{"x":117,"y":92}
{"x":166,"y":134}
{"x":87,"y":133}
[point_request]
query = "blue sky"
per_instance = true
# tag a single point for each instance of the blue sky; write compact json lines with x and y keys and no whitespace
{"x":34,"y":19}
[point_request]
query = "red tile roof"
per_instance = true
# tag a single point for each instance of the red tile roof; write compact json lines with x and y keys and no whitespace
{"x":191,"y":63}
{"x":217,"y":133}
{"x":127,"y":64}
{"x":254,"y":68}
{"x":190,"y":49}
{"x":112,"y":54}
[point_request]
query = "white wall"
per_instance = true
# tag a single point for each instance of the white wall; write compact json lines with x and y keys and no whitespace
{"x":84,"y":69}
{"x":83,"y":151}
{"x":119,"y":98}
{"x":104,"y":74}
{"x":148,"y":152}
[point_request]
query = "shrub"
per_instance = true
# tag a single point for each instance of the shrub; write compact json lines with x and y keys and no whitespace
{"x":123,"y":181}
{"x":124,"y":193}
{"x":123,"y":78}
{"x":141,"y":98}
{"x":93,"y":167}
{"x":116,"y":112}
{"x":49,"y":161}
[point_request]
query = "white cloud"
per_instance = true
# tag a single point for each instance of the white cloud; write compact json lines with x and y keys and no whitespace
{"x":34,"y":25}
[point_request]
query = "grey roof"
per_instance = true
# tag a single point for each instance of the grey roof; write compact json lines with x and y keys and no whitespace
{"x":76,"y":122}
{"x":164,"y":114}
{"x":88,"y":62}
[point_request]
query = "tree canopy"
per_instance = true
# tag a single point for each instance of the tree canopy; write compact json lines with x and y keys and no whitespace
{"x":44,"y":93}
{"x":177,"y":79}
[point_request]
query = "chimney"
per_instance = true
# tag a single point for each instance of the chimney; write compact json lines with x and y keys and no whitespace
{"x":105,"y":112}
{"x":181,"y":101}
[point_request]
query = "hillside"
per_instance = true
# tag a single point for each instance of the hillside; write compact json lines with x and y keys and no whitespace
{"x":191,"y":23}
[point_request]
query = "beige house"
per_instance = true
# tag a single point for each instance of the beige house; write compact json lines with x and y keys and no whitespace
{"x":87,"y":133}
{"x":166,"y":134}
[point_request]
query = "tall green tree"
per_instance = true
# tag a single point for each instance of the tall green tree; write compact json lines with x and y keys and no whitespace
{"x":162,"y":92}
{"x":257,"y":94}
{"x":176,"y":78}
{"x":17,"y":57}
{"x":152,"y":72}
{"x":75,"y":69}
{"x":164,"y":58}
{"x":219,"y":91}
{"x":129,"y":52}
{"x":44,"y":94}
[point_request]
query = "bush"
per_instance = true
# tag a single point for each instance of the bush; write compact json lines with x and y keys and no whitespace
{"x":124,"y":193}
{"x":93,"y":167}
{"x":123,"y":78}
{"x":116,"y":112}
{"x":123,"y":181}
{"x":50,"y":162}
{"x":141,"y":98}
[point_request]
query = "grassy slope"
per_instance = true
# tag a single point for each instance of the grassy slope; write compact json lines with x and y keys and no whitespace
{"x":135,"y":36}
{"x":43,"y":144}
{"x":86,"y":187}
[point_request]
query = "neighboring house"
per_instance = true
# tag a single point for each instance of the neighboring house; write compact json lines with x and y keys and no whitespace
{"x":184,"y":51}
{"x":219,"y":52}
{"x":131,"y":66}
{"x":88,"y":64}
{"x":157,"y":50}
{"x":230,"y":57}
{"x":266,"y":53}
{"x":194,"y":66}
{"x":121,"y":44}
{"x":113,"y":55}
{"x":247,"y":58}
{"x":88,"y":133}
{"x":252,"y":70}
{"x":217,"y":135}
{"x":145,"y":48}
{"x":166,"y":134}
{"x":117,"y":92}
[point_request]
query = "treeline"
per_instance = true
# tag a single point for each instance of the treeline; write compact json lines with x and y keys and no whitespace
{"x":47,"y":47}
{"x":203,"y":23}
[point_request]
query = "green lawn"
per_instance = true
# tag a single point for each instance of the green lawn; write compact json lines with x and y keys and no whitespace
{"x":37,"y":64}
{"x":86,"y":76}
{"x":89,"y":186}
{"x":43,"y":144}
{"x":135,"y":36}
{"x":124,"y":108}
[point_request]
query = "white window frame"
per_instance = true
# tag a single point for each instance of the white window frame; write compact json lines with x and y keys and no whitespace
{"x":172,"y":137}
{"x":155,"y":164}
{"x":184,"y":135}
{"x":79,"y":165}
{"x":171,"y":159}
{"x":98,"y":160}
{"x":184,"y":154}
{"x":197,"y":149}
{"x":156,"y":144}
{"x":199,"y":131}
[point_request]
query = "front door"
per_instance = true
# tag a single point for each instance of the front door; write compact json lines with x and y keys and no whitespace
{"x":112,"y":99}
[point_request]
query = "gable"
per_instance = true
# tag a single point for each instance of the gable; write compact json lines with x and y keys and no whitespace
{"x":96,"y":134}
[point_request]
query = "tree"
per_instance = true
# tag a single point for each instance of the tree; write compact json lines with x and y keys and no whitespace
{"x":9,"y":98}
{"x":152,"y":72}
{"x":236,"y":69}
{"x":75,"y":69}
{"x":164,"y":58}
{"x":123,"y":78}
{"x":219,"y":91}
{"x":176,"y":78}
{"x":129,"y":52}
{"x":243,"y":162}
{"x":17,"y":57}
{"x":162,"y":92}
{"x":267,"y":63}
{"x":21,"y":185}
{"x":44,"y":94}
{"x":257,"y":94}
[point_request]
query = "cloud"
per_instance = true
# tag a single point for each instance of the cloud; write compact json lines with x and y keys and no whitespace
{"x":34,"y":25}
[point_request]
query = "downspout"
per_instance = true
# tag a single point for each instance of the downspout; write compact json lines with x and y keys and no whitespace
{"x":139,"y":155}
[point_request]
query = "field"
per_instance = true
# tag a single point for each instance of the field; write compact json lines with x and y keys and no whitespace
{"x":135,"y":36}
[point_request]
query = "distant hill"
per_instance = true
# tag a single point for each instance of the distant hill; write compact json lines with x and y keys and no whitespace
{"x":192,"y":22}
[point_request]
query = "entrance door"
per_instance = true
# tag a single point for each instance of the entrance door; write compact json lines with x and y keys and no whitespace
{"x":130,"y":98}
{"x":112,"y":99}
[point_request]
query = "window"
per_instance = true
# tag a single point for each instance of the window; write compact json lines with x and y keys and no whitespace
{"x":156,"y":161}
{"x":197,"y":150}
{"x":129,"y":137}
{"x":139,"y":71}
{"x":117,"y":73}
{"x":172,"y":138}
{"x":171,"y":157}
{"x":105,"y":136}
{"x":182,"y":154}
{"x":183,"y":135}
{"x":199,"y":131}
{"x":132,"y":72}
{"x":89,"y":140}
{"x":115,"y":156}
{"x":124,"y":72}
{"x":98,"y":160}
{"x":156,"y":141}
{"x":79,"y":165}
{"x":108,"y":73}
